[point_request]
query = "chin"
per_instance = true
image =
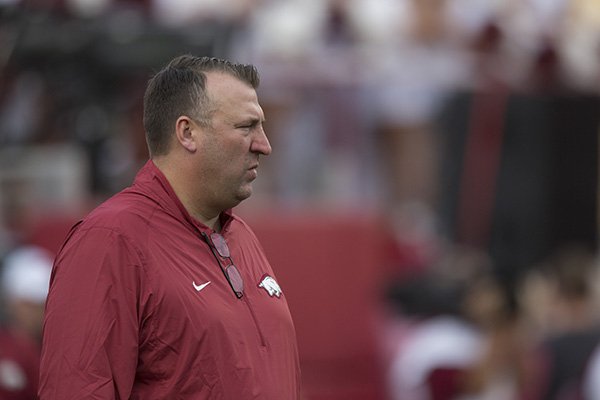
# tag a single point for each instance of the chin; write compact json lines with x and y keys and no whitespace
{"x":243,"y":194}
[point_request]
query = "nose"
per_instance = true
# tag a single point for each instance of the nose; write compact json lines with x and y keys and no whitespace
{"x":260,"y":143}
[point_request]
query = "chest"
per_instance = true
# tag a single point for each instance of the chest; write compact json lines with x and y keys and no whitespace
{"x":190,"y":300}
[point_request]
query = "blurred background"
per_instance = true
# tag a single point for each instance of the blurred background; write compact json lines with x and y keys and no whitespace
{"x":430,"y":206}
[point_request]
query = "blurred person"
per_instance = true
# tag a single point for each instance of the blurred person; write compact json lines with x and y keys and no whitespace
{"x":416,"y":58}
{"x":437,"y":347}
{"x":578,"y":41}
{"x":324,"y":155}
{"x":507,"y":367}
{"x":572,"y":327}
{"x":178,"y":13}
{"x":145,"y":300}
{"x":25,"y":278}
{"x":467,"y":340}
{"x":439,"y":343}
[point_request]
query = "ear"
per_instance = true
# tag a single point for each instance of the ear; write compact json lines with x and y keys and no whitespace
{"x":185,"y":131}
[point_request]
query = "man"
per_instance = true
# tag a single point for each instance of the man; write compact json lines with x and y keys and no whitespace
{"x":162,"y":292}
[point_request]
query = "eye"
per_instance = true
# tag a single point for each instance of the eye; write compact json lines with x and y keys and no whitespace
{"x":248,"y":125}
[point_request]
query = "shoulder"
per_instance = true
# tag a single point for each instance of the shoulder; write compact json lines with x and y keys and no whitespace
{"x":127,"y":211}
{"x":124,"y":218}
{"x":111,"y":235}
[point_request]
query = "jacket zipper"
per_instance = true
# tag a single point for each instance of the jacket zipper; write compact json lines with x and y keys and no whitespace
{"x":244,"y":298}
{"x":263,"y":340}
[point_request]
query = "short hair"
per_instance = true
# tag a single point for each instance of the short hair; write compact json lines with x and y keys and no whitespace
{"x":180,"y":89}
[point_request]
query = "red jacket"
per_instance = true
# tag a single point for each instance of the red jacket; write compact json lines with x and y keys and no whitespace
{"x":129,"y":315}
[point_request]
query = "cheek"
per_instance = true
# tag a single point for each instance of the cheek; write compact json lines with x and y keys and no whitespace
{"x":234,"y":153}
{"x":224,"y":161}
{"x":226,"y":153}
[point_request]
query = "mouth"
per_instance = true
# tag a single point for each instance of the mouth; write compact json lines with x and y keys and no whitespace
{"x":253,"y":169}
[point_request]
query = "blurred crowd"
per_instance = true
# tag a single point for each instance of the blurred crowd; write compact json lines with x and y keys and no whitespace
{"x":465,"y":333}
{"x":353,"y":91}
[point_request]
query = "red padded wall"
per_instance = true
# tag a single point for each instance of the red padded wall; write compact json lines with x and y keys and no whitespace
{"x":330,"y":268}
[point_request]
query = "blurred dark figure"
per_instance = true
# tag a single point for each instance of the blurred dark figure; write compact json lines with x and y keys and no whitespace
{"x":507,"y":367}
{"x":574,"y":327}
{"x":25,"y":278}
{"x":467,"y":338}
{"x":438,"y":344}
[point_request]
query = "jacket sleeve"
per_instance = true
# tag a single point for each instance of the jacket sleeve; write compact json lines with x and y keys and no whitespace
{"x":91,"y":325}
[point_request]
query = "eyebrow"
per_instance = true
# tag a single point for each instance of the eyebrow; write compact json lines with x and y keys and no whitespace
{"x":250,"y":121}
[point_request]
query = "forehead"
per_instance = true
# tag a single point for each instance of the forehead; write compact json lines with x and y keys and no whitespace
{"x":230,"y":94}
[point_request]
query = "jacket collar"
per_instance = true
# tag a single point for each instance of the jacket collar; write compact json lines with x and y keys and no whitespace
{"x":151,"y":182}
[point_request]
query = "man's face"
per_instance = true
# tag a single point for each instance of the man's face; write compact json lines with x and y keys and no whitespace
{"x":230,"y":148}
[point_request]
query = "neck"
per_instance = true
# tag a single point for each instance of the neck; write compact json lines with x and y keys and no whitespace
{"x":176,"y":179}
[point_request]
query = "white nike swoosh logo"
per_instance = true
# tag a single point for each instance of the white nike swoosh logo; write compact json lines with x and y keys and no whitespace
{"x":200,"y":287}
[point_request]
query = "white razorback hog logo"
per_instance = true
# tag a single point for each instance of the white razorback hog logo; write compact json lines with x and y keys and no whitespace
{"x":270,"y":285}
